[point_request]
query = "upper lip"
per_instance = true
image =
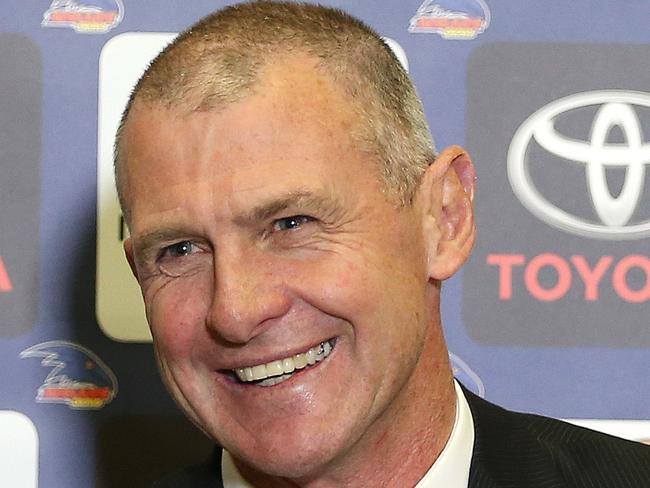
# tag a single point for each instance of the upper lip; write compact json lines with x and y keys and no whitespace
{"x":252,"y":359}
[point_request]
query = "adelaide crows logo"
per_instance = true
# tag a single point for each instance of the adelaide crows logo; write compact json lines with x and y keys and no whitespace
{"x":451,"y":19}
{"x":78,"y":378}
{"x":85,"y":16}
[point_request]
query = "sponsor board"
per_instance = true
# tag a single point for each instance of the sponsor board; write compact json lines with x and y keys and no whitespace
{"x":563,"y":204}
{"x":20,"y":179}
{"x":451,"y":19}
{"x":85,"y":16}
{"x":18,"y":450}
{"x":78,"y":377}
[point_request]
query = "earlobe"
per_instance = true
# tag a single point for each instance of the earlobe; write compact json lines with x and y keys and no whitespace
{"x":450,"y":230}
{"x":128,"y":252}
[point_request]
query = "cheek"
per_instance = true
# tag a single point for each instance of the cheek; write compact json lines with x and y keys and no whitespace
{"x":377,"y":272}
{"x":334,"y":285}
{"x":383,"y":298}
{"x":177,"y":313}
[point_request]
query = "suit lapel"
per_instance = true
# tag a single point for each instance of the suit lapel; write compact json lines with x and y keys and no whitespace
{"x":506,"y":454}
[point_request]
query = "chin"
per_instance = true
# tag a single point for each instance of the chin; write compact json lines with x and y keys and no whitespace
{"x":295,"y":466}
{"x":294,"y":455}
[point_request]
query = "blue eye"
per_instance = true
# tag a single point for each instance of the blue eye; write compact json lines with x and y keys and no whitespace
{"x":291,"y":223}
{"x":182,"y":248}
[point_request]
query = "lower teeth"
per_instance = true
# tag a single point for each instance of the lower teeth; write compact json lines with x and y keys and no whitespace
{"x":274,"y":380}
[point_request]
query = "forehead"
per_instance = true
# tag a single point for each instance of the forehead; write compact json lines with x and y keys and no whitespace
{"x":292,"y":90}
{"x":295,"y":119}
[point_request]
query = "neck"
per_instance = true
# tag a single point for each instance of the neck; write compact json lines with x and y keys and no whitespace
{"x":403,"y":443}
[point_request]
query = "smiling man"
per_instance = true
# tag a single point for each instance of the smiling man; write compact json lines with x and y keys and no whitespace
{"x":291,"y":226}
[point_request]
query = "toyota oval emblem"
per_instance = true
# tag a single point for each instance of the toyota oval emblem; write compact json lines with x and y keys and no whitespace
{"x":615,"y":108}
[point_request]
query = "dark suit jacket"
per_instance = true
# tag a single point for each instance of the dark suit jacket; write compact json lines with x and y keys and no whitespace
{"x":514,"y":450}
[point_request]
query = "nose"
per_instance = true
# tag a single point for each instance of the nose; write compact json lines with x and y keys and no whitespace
{"x":249,"y":293}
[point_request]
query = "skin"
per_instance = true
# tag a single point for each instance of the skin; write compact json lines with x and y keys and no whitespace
{"x":259,"y":231}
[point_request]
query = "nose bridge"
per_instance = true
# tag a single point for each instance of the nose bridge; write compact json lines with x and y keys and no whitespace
{"x":247,"y":293}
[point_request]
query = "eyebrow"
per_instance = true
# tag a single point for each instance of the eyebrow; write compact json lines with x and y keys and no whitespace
{"x":301,"y":199}
{"x":145,"y":244}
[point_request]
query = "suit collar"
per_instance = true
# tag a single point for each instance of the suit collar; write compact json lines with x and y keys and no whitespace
{"x":508,"y":450}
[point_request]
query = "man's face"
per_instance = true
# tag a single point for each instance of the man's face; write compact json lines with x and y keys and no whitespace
{"x":260,"y":232}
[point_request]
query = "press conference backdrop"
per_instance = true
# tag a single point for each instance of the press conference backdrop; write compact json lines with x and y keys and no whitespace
{"x":550,"y":315}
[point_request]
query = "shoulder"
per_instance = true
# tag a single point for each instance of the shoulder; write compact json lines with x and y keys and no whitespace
{"x":514,"y":447}
{"x":204,"y":475}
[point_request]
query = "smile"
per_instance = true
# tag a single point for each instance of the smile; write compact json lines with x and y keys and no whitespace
{"x":280,"y":370}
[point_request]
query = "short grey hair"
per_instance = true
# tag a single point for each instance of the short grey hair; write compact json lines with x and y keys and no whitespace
{"x":217,"y":62}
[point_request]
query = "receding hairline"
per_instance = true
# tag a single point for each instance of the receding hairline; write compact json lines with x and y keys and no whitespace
{"x":269,"y":75}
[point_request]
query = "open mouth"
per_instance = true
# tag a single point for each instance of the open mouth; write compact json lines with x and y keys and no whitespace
{"x":275,"y":372}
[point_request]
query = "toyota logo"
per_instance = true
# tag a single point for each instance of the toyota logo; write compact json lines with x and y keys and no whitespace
{"x":615,"y":109}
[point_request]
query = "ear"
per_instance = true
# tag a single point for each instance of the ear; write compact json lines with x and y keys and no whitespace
{"x":128,"y":252}
{"x":447,"y":192}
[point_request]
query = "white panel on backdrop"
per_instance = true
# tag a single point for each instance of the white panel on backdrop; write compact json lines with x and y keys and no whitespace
{"x":18,"y":451}
{"x":119,"y":308}
{"x":634,"y":430}
{"x":400,"y":54}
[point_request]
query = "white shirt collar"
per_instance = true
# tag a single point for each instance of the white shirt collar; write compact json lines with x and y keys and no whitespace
{"x":450,"y":470}
{"x":230,"y":476}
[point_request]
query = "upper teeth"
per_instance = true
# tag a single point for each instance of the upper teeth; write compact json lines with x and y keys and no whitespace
{"x":286,"y":365}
